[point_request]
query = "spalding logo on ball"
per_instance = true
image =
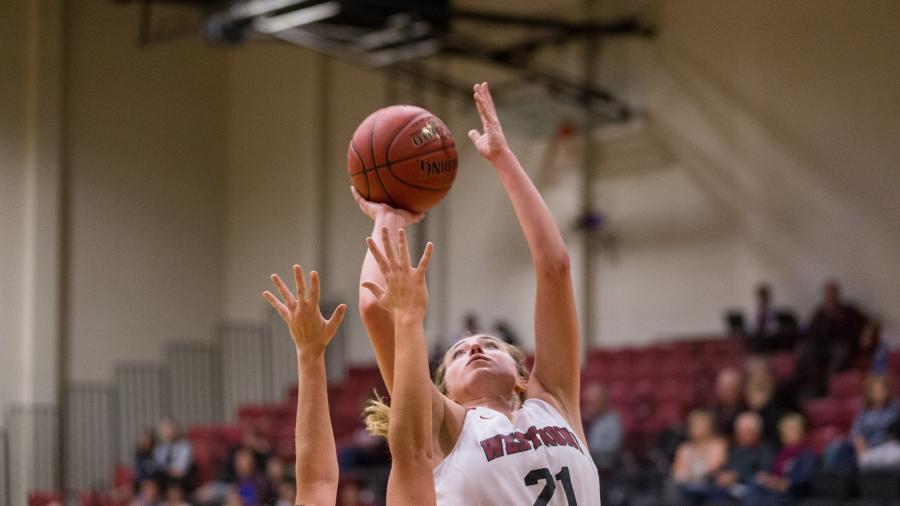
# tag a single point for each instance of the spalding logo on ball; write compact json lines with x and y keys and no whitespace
{"x":403,"y":156}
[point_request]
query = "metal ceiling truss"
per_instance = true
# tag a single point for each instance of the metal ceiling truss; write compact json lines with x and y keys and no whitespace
{"x":397,"y":33}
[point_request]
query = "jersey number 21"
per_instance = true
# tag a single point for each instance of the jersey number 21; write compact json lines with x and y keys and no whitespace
{"x":536,"y":475}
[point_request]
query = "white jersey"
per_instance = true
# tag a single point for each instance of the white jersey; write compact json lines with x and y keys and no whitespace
{"x":536,"y":461}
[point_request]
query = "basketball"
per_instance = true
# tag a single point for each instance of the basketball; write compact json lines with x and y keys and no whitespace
{"x":403,"y":156}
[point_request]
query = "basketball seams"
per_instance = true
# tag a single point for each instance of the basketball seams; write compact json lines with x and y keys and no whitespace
{"x":389,"y":164}
{"x":363,"y":172}
{"x":377,"y":175}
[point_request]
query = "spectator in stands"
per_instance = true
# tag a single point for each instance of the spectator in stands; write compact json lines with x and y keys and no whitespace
{"x":729,"y":399}
{"x":832,"y":339}
{"x":287,"y":493}
{"x":275,"y":475}
{"x":765,"y":322}
{"x":758,"y":371}
{"x":471,"y":325}
{"x":250,"y":483}
{"x":174,"y":496}
{"x":773,"y":328}
{"x":759,"y":396}
{"x":148,"y":493}
{"x":699,"y":459}
{"x":505,"y":333}
{"x":603,"y":427}
{"x":749,"y":455}
{"x":886,"y":455}
{"x":791,"y":471}
{"x":870,"y":429}
{"x":871,"y":354}
{"x":145,"y":465}
{"x":352,"y":493}
{"x":173,"y":455}
{"x":253,"y":440}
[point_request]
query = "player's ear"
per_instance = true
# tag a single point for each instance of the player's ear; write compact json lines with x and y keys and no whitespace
{"x":521,"y":385}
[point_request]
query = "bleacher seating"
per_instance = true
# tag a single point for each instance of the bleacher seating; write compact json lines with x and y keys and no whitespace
{"x":652,"y":389}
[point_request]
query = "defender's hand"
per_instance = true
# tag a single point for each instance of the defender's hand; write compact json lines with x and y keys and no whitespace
{"x":405,"y":292}
{"x":492,"y":143}
{"x":309,"y":329}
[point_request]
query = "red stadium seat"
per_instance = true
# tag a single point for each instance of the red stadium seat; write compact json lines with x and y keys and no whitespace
{"x":675,"y":390}
{"x":666,"y":415}
{"x":822,"y":412}
{"x":821,"y":437}
{"x":43,"y":498}
{"x":846,"y":384}
{"x":783,"y":365}
{"x":894,"y":361}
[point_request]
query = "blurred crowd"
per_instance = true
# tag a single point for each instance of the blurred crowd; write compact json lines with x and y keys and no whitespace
{"x":750,"y":445}
{"x":739,"y":440}
{"x":165,"y":473}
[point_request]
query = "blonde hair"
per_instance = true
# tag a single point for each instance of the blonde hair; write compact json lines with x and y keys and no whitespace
{"x":869,"y":386}
{"x":790,"y":418}
{"x":378,"y":413}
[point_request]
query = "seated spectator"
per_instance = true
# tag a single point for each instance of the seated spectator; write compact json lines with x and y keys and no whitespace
{"x":172,"y":454}
{"x":871,"y":354}
{"x":749,"y":455}
{"x":885,"y":456}
{"x":603,"y":426}
{"x":145,"y":465}
{"x":363,"y":450}
{"x":254,"y":441}
{"x":760,"y":398}
{"x":729,"y":400}
{"x":758,"y":369}
{"x":791,"y":471}
{"x":699,"y":459}
{"x":174,"y":496}
{"x":352,"y":493}
{"x":870,"y":429}
{"x":287,"y":493}
{"x":148,"y":493}
{"x":832,"y":339}
{"x":275,"y":475}
{"x":249,"y":482}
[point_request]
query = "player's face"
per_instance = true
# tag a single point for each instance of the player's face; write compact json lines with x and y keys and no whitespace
{"x":479,"y":366}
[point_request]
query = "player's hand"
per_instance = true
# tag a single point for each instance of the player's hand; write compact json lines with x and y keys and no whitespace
{"x":300,"y":311}
{"x":378,"y":211}
{"x":491,"y":144}
{"x":405,"y":292}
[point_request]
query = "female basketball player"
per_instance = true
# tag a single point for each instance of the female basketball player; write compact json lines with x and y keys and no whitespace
{"x":500,"y":436}
{"x":405,"y":295}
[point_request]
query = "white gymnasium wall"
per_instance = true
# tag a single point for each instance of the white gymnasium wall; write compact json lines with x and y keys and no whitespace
{"x":781,"y":121}
{"x":195,"y":174}
{"x":786,"y":115}
{"x":147,"y":156}
{"x":13,"y":59}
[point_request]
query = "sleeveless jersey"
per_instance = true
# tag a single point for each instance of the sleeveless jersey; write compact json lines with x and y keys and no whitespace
{"x":536,"y":461}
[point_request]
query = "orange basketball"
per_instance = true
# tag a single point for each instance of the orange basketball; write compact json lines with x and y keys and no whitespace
{"x":403,"y":156}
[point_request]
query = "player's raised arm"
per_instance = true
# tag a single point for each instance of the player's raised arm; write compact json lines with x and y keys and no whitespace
{"x":557,"y":341}
{"x":378,"y":321}
{"x":316,"y":465}
{"x":404,"y":294}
